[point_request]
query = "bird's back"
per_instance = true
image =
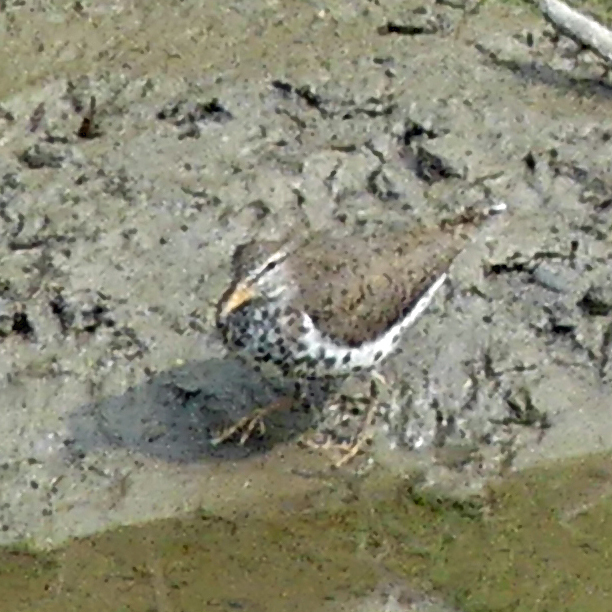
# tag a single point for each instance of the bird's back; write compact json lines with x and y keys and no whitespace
{"x":355,"y":289}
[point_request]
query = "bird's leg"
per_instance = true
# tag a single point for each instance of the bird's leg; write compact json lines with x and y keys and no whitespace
{"x":252,"y":421}
{"x":352,"y":448}
{"x":364,"y":436}
{"x":377,"y":377}
{"x":362,"y":439}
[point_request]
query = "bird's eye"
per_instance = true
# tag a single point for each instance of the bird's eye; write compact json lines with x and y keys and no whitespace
{"x":271,"y":265}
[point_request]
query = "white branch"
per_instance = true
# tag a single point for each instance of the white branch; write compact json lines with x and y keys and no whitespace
{"x":581,"y":29}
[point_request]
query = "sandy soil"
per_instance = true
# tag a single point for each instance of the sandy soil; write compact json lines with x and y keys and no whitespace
{"x":213,"y":125}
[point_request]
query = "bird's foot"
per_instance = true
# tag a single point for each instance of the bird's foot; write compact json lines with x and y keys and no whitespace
{"x":350,"y":449}
{"x":248,"y":424}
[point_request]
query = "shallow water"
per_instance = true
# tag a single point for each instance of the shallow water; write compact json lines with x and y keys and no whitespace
{"x":539,"y":541}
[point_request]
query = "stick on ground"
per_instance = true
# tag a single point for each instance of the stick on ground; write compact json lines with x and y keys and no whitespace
{"x":581,"y":29}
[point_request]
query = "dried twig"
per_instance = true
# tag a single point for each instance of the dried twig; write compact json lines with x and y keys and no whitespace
{"x":583,"y":30}
{"x":37,"y":116}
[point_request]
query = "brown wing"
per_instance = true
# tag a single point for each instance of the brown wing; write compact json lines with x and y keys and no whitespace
{"x":355,"y":289}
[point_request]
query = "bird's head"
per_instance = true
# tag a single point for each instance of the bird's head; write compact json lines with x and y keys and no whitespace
{"x":260,"y":275}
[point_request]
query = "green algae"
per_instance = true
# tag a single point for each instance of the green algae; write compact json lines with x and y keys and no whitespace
{"x":538,"y":541}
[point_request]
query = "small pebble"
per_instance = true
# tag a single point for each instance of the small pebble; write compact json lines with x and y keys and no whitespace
{"x":552,"y":279}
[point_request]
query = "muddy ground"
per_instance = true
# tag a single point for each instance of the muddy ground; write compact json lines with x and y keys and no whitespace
{"x":213,"y":125}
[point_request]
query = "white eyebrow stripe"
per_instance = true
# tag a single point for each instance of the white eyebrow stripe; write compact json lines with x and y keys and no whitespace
{"x":277,"y":256}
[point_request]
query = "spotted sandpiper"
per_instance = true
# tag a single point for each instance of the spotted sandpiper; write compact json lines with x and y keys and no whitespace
{"x":326,"y":307}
